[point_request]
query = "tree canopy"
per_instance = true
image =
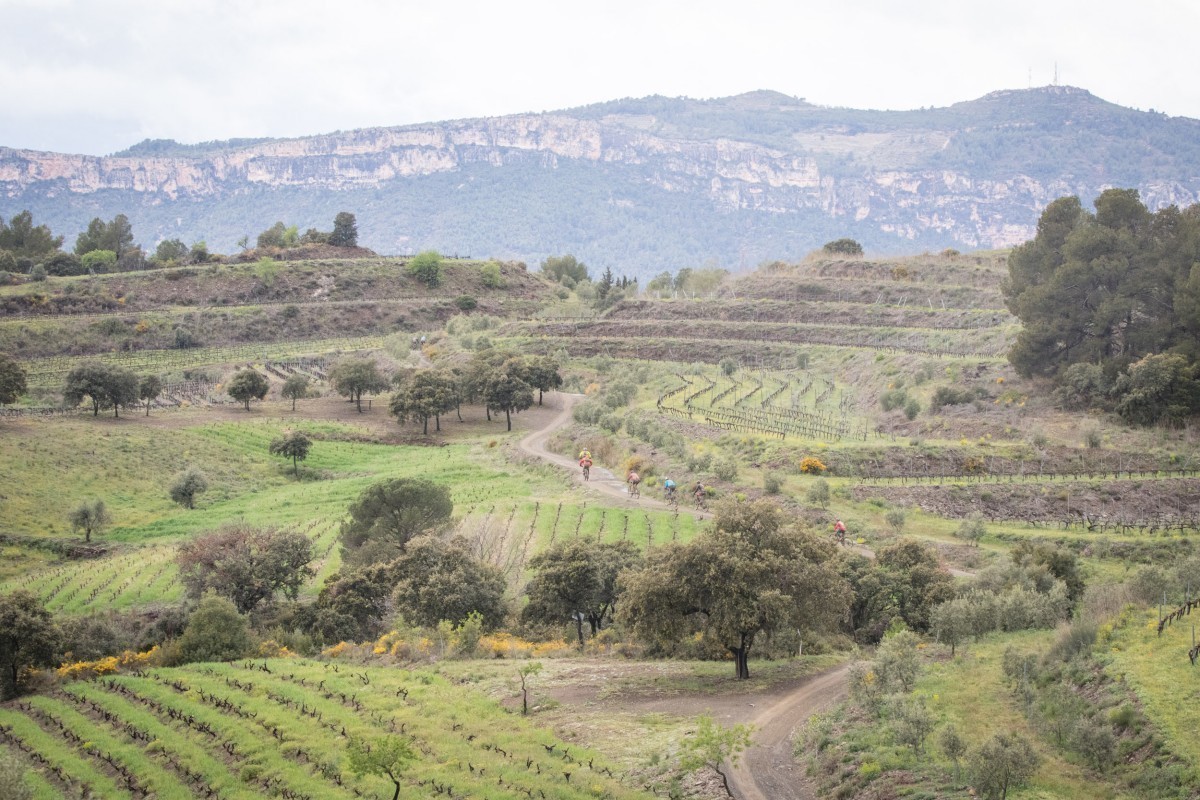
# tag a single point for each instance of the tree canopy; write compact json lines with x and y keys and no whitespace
{"x":28,"y":638}
{"x":507,"y":390}
{"x":12,"y":379}
{"x":345,"y":230}
{"x":355,"y":376}
{"x":246,"y":385}
{"x":294,"y":388}
{"x":747,"y":574}
{"x":90,"y":518}
{"x":247,"y":565}
{"x":428,"y":393}
{"x":576,"y":580}
{"x":187,"y":485}
{"x":293,"y":445}
{"x":559,"y":267}
{"x":105,"y":385}
{"x":1117,"y":290}
{"x":115,"y":235}
{"x":387,"y":514}
{"x":436,"y":580}
{"x":23,"y":239}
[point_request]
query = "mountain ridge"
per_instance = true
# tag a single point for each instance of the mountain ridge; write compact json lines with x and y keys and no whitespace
{"x":761,"y":175}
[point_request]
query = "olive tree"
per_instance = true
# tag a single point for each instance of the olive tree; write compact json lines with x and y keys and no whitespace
{"x":90,"y":518}
{"x":187,"y":485}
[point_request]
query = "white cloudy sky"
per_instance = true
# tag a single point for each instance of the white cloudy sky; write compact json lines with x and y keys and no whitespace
{"x":94,"y":76}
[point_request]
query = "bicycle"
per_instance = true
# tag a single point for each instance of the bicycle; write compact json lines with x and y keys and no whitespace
{"x":587,"y":471}
{"x":634,"y":485}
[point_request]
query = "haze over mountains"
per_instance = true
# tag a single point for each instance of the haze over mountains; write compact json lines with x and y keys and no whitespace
{"x":640,"y":185}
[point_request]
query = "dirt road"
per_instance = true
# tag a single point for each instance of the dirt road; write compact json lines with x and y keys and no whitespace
{"x":602,"y":480}
{"x":768,"y":770}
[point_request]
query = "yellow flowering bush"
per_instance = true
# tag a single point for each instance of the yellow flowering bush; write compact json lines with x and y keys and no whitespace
{"x":128,"y":660}
{"x":812,"y":466}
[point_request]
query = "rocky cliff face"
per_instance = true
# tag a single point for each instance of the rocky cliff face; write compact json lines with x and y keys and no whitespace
{"x":942,"y":178}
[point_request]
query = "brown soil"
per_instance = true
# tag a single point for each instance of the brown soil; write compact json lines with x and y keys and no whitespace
{"x":1102,"y":502}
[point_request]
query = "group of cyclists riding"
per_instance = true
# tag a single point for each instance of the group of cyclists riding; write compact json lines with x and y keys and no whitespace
{"x":634,"y":481}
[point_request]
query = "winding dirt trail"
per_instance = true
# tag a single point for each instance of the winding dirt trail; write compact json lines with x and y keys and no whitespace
{"x":601,"y":480}
{"x":767,"y":770}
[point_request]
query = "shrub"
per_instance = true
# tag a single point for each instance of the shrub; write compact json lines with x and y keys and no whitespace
{"x":894,"y":398}
{"x":619,"y":394}
{"x":1093,"y":438}
{"x":818,"y":493}
{"x":911,"y":409}
{"x":972,"y":529}
{"x":895,"y":519}
{"x":610,"y":422}
{"x":812,"y":466}
{"x":726,"y":469}
{"x":951,"y":396}
{"x":844,"y":247}
{"x":38,"y":273}
{"x":98,"y":261}
{"x":490,"y":276}
{"x":426,"y":267}
{"x":465,"y":302}
{"x":772,"y":483}
{"x":215,"y":632}
{"x":728,"y":366}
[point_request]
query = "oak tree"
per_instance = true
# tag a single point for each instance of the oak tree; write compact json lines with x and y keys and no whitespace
{"x":149,"y":388}
{"x":294,"y":388}
{"x":247,"y":565}
{"x":748,"y":574}
{"x":428,"y":393}
{"x":28,"y":638}
{"x":246,"y":385}
{"x":354,"y":377}
{"x":12,"y":380}
{"x":294,"y":445}
{"x":577,"y":580}
{"x":105,"y":385}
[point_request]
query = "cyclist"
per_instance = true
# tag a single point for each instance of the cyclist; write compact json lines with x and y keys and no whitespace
{"x":586,"y":464}
{"x":669,"y":489}
{"x":585,"y":453}
{"x":698,"y":494}
{"x":634,"y":480}
{"x":839,"y":532}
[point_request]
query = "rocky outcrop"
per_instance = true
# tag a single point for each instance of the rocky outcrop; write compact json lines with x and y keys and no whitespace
{"x":897,"y":181}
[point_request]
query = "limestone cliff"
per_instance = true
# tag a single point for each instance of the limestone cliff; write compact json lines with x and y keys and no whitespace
{"x":972,"y":175}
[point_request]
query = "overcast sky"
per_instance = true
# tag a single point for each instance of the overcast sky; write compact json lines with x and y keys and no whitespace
{"x":95,"y":76}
